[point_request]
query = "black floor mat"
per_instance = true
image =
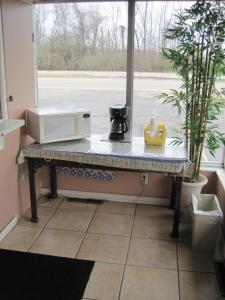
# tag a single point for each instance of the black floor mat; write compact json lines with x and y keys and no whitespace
{"x":29,"y":276}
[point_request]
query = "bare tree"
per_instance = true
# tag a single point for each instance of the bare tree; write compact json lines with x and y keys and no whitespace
{"x":40,"y":22}
{"x":95,"y":21}
{"x":80,"y":28}
{"x":62,"y":13}
{"x":145,"y":27}
{"x":122,"y":32}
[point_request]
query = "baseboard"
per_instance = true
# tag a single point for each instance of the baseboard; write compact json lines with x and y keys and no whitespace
{"x":8,"y":228}
{"x":109,"y":197}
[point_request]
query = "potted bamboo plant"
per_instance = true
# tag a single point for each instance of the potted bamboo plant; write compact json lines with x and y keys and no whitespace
{"x":199,"y":60}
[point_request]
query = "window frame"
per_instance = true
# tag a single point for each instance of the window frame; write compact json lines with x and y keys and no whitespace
{"x":3,"y":102}
{"x":224,"y":156}
{"x":130,"y":65}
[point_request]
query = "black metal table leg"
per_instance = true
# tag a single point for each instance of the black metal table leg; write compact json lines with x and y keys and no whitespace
{"x":176,"y":219}
{"x":33,"y":200}
{"x":173,"y":193}
{"x":53,"y":178}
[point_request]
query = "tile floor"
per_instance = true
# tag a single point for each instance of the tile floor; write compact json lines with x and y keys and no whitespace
{"x":135,"y":257}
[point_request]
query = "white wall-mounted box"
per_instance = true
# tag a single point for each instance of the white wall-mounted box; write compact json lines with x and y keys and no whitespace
{"x":7,"y":126}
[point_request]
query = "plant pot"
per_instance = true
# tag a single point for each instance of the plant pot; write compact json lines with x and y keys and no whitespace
{"x":189,"y":188}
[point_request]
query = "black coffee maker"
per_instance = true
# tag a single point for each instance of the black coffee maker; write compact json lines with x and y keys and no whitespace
{"x":118,"y":121}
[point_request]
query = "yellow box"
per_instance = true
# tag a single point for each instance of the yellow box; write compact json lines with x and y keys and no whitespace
{"x":159,"y":138}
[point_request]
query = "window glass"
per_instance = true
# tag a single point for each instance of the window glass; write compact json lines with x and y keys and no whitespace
{"x":153,"y":74}
{"x":220,"y":153}
{"x":81,"y":57}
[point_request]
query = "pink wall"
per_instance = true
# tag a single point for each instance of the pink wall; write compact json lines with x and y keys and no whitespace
{"x":19,"y":55}
{"x":125,"y":183}
{"x":128,"y":183}
{"x":8,"y":179}
{"x":20,"y":82}
{"x":210,"y":188}
{"x":220,"y":192}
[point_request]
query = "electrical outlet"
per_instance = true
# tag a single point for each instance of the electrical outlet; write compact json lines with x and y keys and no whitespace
{"x":144,"y":178}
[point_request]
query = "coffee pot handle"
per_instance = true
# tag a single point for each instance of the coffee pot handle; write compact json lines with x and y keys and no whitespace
{"x":126,"y":127}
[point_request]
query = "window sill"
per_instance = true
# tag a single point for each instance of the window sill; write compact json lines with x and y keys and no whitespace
{"x":7,"y":126}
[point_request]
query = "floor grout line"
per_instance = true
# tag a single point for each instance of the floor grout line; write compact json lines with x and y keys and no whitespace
{"x":51,"y":216}
{"x":113,"y":213}
{"x":127,"y":255}
{"x":86,"y":232}
{"x":152,"y":267}
{"x":83,"y":240}
{"x":153,"y":239}
{"x":178,"y":271}
{"x":110,"y":234}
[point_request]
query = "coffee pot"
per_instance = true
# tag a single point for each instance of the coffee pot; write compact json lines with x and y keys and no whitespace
{"x":118,"y":121}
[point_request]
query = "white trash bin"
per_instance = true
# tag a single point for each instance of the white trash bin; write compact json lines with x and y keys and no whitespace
{"x":206,"y":218}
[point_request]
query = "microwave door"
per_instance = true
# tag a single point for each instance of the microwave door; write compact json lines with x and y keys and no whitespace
{"x":59,"y":128}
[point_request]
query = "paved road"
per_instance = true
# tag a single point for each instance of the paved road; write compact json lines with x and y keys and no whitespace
{"x":98,"y":93}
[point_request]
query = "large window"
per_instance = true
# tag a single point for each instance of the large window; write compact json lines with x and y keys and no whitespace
{"x":82,"y":57}
{"x":82,"y":61}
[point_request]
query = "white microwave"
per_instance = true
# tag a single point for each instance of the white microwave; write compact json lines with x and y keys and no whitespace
{"x":48,"y":126}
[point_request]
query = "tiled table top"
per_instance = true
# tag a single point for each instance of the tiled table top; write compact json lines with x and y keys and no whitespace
{"x":135,"y":155}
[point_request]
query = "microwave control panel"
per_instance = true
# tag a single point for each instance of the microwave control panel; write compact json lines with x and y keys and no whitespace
{"x":86,"y":128}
